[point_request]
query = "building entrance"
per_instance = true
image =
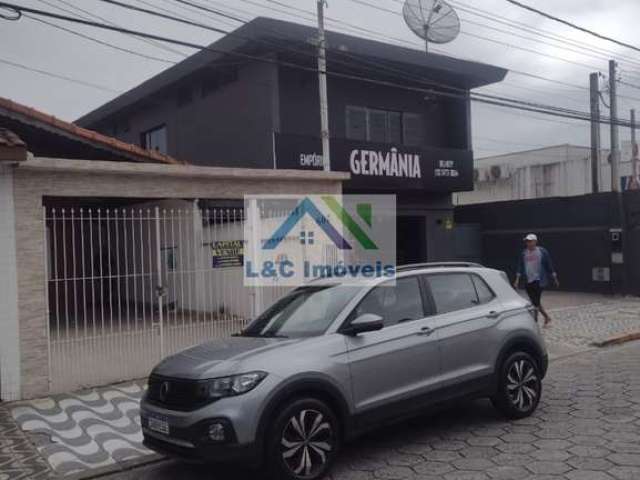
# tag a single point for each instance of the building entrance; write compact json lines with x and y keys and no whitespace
{"x":411,"y":242}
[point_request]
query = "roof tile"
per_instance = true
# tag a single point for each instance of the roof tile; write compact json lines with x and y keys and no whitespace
{"x":83,"y":133}
{"x":10,"y":139}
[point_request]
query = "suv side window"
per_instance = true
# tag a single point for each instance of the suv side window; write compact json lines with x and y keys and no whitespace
{"x":452,"y":291}
{"x":397,"y":304}
{"x":485,"y":295}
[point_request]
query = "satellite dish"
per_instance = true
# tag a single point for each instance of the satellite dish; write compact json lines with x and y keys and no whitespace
{"x":432,"y":20}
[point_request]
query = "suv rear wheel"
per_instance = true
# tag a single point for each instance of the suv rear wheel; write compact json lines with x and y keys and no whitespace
{"x":519,"y":387}
{"x":303,"y":441}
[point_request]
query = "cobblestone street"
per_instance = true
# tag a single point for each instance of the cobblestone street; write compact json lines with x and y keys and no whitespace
{"x":589,"y":420}
{"x":587,"y":428}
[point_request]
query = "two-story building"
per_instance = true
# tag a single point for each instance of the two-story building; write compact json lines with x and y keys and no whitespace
{"x":400,"y":119}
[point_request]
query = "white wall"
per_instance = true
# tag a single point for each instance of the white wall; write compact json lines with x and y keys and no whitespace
{"x":558,"y":171}
{"x":9,"y":332}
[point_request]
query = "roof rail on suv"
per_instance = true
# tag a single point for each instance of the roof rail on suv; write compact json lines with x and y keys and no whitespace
{"x":417,"y":266}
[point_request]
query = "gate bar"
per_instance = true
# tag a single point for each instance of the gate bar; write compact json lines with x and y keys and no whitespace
{"x":159,"y":287}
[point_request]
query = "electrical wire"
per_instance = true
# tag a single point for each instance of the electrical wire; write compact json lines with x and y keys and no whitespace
{"x":630,"y":85}
{"x":377,"y":64}
{"x":100,"y":42}
{"x":573,"y":25}
{"x":413,"y":44}
{"x":492,"y":100}
{"x":89,"y":14}
{"x":492,"y":40}
{"x":421,"y":46}
{"x":493,"y":17}
{"x":58,"y":76}
{"x":238,"y":19}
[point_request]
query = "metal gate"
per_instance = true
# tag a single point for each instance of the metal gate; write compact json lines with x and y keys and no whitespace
{"x":128,"y":286}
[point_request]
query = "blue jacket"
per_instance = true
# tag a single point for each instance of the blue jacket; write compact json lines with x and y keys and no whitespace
{"x":547,"y":267}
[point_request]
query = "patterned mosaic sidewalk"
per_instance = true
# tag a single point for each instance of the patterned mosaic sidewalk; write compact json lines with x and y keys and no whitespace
{"x":86,"y":430}
{"x":19,"y":459}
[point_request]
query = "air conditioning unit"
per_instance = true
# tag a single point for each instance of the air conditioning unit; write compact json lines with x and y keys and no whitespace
{"x":499,"y":172}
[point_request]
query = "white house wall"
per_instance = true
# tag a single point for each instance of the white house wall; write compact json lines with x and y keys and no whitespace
{"x":9,"y":336}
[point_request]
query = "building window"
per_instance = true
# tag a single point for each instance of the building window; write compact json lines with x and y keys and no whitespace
{"x":356,"y":123}
{"x":155,"y":139}
{"x":413,"y":129}
{"x":384,"y":126}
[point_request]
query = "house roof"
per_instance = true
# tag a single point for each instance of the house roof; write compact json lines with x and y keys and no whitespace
{"x":264,"y":35}
{"x":12,"y":148}
{"x":46,"y":135}
{"x":8,"y":139}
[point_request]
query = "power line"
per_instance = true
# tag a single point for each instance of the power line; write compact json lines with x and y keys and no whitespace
{"x":492,"y":40}
{"x":57,"y":75}
{"x":412,"y":44}
{"x":573,"y":25}
{"x":88,"y":14}
{"x":631,"y":85}
{"x":217,"y":12}
{"x":98,"y":41}
{"x":493,"y":17}
{"x":377,"y":64}
{"x":498,"y":101}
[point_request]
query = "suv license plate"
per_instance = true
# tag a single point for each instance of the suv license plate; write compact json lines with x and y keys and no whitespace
{"x":158,"y":424}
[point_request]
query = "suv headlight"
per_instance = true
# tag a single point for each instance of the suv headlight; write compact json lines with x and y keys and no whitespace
{"x":233,"y":385}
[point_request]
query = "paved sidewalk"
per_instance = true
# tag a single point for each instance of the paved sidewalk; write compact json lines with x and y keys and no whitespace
{"x":100,"y":428}
{"x":579,"y":320}
{"x":19,"y":459}
{"x":83,"y":431}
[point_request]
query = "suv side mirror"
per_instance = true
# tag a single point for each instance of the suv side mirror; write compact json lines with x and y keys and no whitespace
{"x":368,"y":322}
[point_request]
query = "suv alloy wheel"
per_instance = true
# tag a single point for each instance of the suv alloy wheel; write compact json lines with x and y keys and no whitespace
{"x":303,"y":441}
{"x":520,"y":386}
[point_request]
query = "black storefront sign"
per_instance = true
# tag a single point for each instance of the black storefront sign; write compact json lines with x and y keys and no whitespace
{"x":379,"y":166}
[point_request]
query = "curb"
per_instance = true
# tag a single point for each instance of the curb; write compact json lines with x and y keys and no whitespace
{"x":117,"y":467}
{"x":628,"y":337}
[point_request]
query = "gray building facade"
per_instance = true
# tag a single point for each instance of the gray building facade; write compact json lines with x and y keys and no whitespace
{"x":399,"y":119}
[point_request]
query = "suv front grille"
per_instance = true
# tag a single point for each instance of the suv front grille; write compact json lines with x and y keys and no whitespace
{"x":176,"y":393}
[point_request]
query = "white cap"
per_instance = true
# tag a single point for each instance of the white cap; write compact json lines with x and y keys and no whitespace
{"x":531,"y":237}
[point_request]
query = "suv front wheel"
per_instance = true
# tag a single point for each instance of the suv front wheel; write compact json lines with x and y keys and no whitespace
{"x":303,"y":441}
{"x":519,"y":386}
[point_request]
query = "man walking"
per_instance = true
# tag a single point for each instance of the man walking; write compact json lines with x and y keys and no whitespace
{"x":535,"y":265}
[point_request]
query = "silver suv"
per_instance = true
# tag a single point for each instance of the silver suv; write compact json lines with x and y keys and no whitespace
{"x":329,"y":361}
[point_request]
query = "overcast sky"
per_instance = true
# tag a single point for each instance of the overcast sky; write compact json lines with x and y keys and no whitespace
{"x":495,"y":129}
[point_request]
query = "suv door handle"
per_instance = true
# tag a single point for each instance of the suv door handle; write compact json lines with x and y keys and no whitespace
{"x":425,"y":331}
{"x":493,"y":314}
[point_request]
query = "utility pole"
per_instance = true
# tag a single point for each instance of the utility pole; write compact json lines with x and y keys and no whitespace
{"x":615,"y":147}
{"x":594,"y":82}
{"x":634,"y":153}
{"x":322,"y":79}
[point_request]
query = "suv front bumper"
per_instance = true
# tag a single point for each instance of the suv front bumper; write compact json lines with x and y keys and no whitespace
{"x":185,"y":433}
{"x":203,"y":452}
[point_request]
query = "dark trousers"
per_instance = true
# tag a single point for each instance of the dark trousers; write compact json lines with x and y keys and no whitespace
{"x":534,"y":290}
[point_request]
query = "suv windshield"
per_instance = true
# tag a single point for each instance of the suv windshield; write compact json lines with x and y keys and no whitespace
{"x":305,"y":312}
